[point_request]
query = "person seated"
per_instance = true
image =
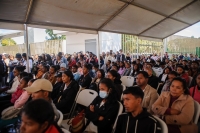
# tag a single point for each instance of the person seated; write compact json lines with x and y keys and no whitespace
{"x":136,"y":69}
{"x":16,"y":71}
{"x":39,"y":71}
{"x":40,"y":114}
{"x":85,"y":79}
{"x":127,"y":72}
{"x":41,"y":89}
{"x":152,"y":80}
{"x":115,"y":78}
{"x":52,"y":72}
{"x":164,"y":76}
{"x":121,"y":68}
{"x":95,"y":68}
{"x":194,"y":70}
{"x":7,"y":103}
{"x":136,"y":119}
{"x":45,"y":71}
{"x":80,"y":69}
{"x":103,"y":110}
{"x":75,"y":72}
{"x":67,"y":94}
{"x":71,"y":62}
{"x":63,"y":67}
{"x":95,"y":82}
{"x":181,"y":72}
{"x":106,"y":67}
{"x":171,"y":76}
{"x":194,"y":91}
{"x":57,"y":85}
{"x":19,"y":103}
{"x":176,"y":107}
{"x":115,"y":67}
{"x":150,"y":94}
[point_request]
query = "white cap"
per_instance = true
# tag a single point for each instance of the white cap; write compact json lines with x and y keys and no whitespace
{"x":40,"y":84}
{"x":63,"y":65}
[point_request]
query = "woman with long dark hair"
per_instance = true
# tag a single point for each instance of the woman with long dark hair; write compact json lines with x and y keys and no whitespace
{"x":103,"y":110}
{"x":194,"y":91}
{"x":115,"y":78}
{"x":176,"y":107}
{"x":67,"y":94}
{"x":40,"y":114}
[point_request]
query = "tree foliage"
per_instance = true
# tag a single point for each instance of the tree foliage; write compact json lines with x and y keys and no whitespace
{"x":8,"y":42}
{"x":52,"y":36}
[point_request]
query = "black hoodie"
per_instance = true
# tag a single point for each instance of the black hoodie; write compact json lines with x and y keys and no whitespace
{"x":143,"y":123}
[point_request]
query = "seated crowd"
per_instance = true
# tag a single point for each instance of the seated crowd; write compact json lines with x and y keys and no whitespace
{"x":165,"y":89}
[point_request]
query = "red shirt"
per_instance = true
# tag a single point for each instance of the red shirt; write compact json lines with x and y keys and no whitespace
{"x":16,"y":94}
{"x":72,"y":63}
{"x":196,"y":93}
{"x":52,"y":129}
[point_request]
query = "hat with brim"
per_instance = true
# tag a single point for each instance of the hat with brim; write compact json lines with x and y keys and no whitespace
{"x":40,"y":84}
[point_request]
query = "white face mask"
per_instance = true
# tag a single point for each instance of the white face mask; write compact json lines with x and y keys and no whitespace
{"x":103,"y":94}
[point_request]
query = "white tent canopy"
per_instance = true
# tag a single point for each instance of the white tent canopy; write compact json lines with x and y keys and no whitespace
{"x":144,"y":18}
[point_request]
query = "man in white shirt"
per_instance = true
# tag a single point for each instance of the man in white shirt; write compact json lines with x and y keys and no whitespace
{"x":28,"y":68}
{"x":107,"y":57}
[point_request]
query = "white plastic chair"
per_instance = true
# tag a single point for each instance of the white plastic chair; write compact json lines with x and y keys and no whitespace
{"x":124,"y":88}
{"x":164,"y":128}
{"x":70,"y":113}
{"x":85,"y":98}
{"x":190,"y":80}
{"x":127,"y":80}
{"x":60,"y":118}
{"x":119,"y":112}
{"x":65,"y":130}
{"x":196,"y":112}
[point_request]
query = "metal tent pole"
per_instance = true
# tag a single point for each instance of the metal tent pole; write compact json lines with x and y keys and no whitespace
{"x":137,"y":47}
{"x":27,"y":45}
{"x":99,"y":48}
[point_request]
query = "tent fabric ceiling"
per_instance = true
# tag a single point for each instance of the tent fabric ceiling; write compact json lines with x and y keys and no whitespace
{"x":145,"y":18}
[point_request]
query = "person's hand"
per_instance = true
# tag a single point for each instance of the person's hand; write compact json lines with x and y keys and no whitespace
{"x":101,"y":118}
{"x":174,"y":112}
{"x":92,"y":108}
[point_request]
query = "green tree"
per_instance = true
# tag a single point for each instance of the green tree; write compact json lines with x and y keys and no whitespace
{"x":52,"y":36}
{"x":8,"y":42}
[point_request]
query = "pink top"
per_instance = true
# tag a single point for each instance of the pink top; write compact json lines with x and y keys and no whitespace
{"x":121,"y":70}
{"x":196,"y":93}
{"x":22,"y":100}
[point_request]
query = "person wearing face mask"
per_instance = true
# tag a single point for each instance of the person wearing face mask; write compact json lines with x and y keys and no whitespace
{"x":103,"y":110}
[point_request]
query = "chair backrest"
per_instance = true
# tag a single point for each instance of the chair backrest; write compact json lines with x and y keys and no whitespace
{"x":119,"y":112}
{"x":65,"y":130}
{"x":127,"y":80}
{"x":190,"y":80}
{"x":196,"y":112}
{"x":86,"y":96}
{"x":124,"y":88}
{"x":60,"y":118}
{"x":164,"y":128}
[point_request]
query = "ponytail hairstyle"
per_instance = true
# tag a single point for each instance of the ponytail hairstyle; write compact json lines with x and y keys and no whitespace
{"x":20,"y":68}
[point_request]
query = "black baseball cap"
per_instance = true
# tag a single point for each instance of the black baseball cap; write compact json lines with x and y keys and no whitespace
{"x":59,"y":74}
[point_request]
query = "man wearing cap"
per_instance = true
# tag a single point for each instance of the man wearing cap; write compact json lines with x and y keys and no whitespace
{"x":63,"y":67}
{"x":41,"y":89}
{"x":57,"y":85}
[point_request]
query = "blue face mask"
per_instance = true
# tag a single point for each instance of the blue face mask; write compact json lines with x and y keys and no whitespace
{"x":93,"y":70}
{"x":103,"y":94}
